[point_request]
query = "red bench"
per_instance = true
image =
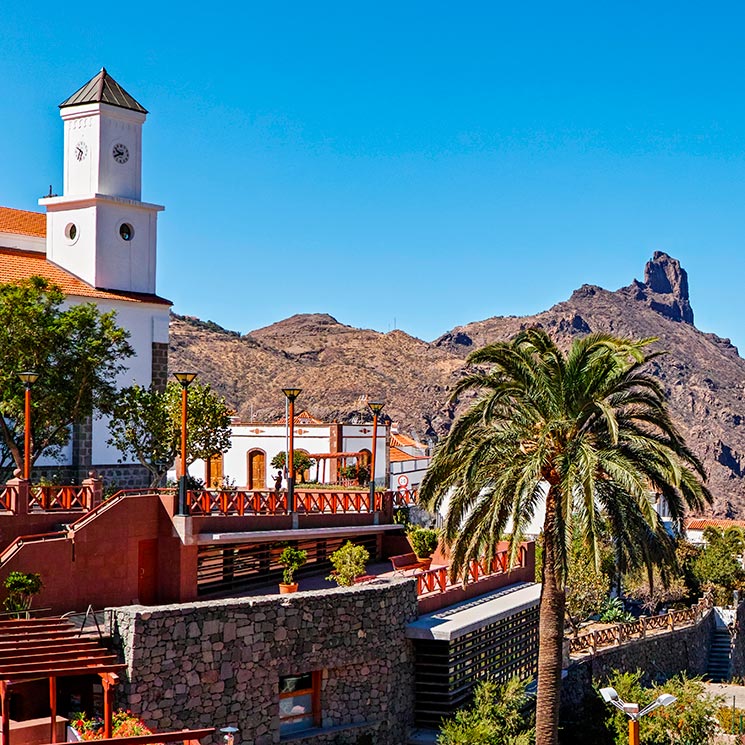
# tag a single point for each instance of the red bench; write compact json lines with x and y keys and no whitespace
{"x":404,"y":562}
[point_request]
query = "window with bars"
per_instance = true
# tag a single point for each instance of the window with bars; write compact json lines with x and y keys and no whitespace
{"x":299,"y":702}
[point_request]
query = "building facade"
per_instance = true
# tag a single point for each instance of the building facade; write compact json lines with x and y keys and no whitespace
{"x":98,"y":242}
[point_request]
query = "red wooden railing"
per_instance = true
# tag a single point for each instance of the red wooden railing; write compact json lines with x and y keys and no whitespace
{"x":438,"y":580}
{"x":45,"y":498}
{"x":8,"y":498}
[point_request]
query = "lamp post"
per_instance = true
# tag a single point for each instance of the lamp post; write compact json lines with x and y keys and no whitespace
{"x":28,"y":379}
{"x":376,"y":407}
{"x":185,"y":379}
{"x":610,"y":696}
{"x":292,"y":394}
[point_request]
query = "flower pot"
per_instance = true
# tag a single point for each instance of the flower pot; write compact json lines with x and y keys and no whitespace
{"x":425,"y":561}
{"x":286,"y":589}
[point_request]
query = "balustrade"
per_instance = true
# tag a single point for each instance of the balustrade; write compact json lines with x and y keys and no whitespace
{"x":69,"y":498}
{"x":624,"y":632}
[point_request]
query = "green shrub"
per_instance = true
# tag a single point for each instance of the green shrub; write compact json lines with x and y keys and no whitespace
{"x":691,"y":720}
{"x":424,"y":541}
{"x":292,"y":559}
{"x":21,"y":588}
{"x":495,"y":718}
{"x":349,"y":562}
{"x":613,"y":611}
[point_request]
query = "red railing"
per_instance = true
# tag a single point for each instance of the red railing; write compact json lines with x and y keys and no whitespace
{"x":438,"y":580}
{"x":47,"y":498}
{"x":8,"y":498}
{"x":236,"y":502}
{"x":404,"y":498}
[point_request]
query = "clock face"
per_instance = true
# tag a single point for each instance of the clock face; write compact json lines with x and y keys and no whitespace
{"x":80,"y":151}
{"x":120,"y":153}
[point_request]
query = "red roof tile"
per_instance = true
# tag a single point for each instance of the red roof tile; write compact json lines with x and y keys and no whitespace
{"x":700,"y":523}
{"x":16,"y":265}
{"x":22,"y":222}
{"x":398,"y":455}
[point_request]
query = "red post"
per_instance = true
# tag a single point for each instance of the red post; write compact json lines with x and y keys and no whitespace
{"x":372,"y":460}
{"x":291,"y":453}
{"x":633,"y":732}
{"x":183,"y":430}
{"x":27,"y":435}
{"x":5,"y":726}
{"x":53,"y":706}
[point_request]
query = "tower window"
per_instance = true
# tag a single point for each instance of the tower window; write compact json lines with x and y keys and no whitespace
{"x":126,"y":231}
{"x":71,"y":232}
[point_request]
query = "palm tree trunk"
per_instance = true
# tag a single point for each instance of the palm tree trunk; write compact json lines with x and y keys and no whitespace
{"x":551,"y":638}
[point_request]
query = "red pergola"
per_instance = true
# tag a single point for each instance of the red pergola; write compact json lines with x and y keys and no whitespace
{"x":38,"y":648}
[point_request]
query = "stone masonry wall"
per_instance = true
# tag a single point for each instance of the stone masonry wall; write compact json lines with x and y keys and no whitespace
{"x":159,"y":365}
{"x":657,"y":656}
{"x":218,"y":663}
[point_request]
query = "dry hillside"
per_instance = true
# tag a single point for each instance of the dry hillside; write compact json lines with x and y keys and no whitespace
{"x":337,"y":365}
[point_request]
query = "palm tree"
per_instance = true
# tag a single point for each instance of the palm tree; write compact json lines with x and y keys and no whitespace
{"x":588,"y":433}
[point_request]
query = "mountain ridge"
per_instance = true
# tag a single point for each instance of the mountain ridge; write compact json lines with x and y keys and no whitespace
{"x":338,"y":365}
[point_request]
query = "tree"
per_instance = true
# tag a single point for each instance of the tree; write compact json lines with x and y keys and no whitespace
{"x":301,"y":462}
{"x":146,"y":425}
{"x":719,"y":563}
{"x":76,"y":351}
{"x":587,"y":434}
{"x":587,"y":587}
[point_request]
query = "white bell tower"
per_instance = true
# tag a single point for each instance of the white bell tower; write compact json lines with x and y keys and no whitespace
{"x":99,"y":229}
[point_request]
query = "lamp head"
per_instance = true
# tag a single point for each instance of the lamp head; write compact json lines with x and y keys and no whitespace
{"x":185,"y":378}
{"x":376,"y":407}
{"x":28,"y":377}
{"x":609,"y":695}
{"x":666,"y":699}
{"x":292,"y":393}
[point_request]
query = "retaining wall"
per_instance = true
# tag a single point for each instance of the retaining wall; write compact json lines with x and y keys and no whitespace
{"x":218,"y":663}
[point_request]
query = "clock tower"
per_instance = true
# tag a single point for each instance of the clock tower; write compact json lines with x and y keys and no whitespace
{"x":99,"y":229}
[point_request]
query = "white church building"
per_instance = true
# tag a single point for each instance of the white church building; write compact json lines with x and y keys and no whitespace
{"x":98,"y":242}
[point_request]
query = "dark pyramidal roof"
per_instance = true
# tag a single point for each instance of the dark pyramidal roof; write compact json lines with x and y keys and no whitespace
{"x":103,"y":89}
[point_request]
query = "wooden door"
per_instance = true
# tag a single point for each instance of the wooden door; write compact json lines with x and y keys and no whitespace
{"x":147,"y":578}
{"x":257,"y":469}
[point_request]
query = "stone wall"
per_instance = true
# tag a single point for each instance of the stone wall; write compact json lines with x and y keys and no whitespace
{"x":658,"y":656}
{"x":737,"y":661}
{"x":159,"y":370}
{"x":218,"y":663}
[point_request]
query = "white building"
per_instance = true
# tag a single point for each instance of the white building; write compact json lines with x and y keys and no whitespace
{"x":98,"y":243}
{"x":400,"y":462}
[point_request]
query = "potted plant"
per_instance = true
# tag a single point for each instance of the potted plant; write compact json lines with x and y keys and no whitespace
{"x":349,"y":562}
{"x":21,"y":588}
{"x":424,"y":542}
{"x":291,"y":559}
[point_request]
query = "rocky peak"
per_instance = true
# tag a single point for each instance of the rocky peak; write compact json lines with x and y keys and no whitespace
{"x":666,"y":285}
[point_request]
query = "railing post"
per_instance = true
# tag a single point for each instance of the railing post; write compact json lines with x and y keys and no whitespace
{"x":21,"y":493}
{"x":94,"y":490}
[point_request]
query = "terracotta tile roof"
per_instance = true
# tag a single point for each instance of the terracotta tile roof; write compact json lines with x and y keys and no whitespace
{"x":304,"y":417}
{"x":397,"y":455}
{"x":397,"y":438}
{"x":700,"y":523}
{"x":16,"y":265}
{"x":23,"y":222}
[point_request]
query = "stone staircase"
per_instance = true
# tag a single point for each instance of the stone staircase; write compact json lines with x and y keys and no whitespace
{"x":719,"y":655}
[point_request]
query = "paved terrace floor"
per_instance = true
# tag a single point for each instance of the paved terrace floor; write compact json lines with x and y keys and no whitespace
{"x":376,"y":570}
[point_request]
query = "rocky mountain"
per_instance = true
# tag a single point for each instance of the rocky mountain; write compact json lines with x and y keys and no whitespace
{"x":337,"y":366}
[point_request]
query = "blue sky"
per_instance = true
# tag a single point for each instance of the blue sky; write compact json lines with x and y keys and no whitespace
{"x":422,"y":164}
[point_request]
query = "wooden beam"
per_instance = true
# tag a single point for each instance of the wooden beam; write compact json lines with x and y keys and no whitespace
{"x":38,"y":649}
{"x":51,"y":667}
{"x":59,"y":656}
{"x":24,"y":676}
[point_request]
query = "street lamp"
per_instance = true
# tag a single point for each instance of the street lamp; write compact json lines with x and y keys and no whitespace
{"x":28,"y":379}
{"x":610,"y":696}
{"x":292,"y":394}
{"x":376,"y":407}
{"x":185,"y":379}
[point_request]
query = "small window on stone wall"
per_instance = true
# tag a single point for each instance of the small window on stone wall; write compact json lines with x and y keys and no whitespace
{"x":299,"y":702}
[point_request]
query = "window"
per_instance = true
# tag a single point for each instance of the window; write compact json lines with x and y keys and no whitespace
{"x":126,"y":231}
{"x":299,"y":702}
